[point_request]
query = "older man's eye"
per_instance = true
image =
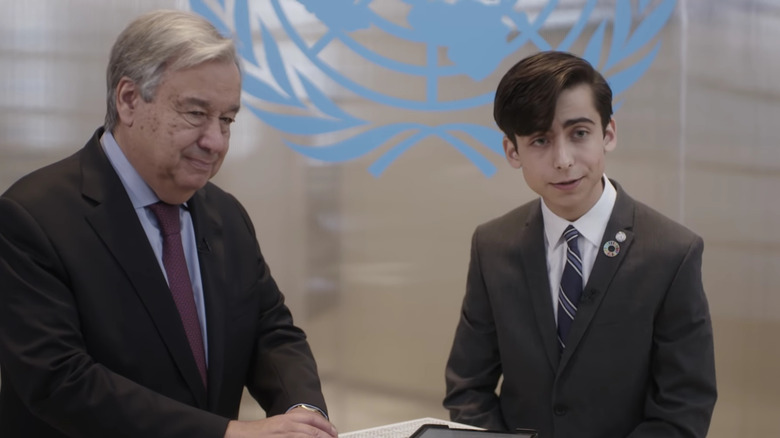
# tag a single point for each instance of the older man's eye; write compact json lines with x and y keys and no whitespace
{"x":195,"y":117}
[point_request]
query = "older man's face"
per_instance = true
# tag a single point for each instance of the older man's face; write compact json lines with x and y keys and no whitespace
{"x":177,"y":141}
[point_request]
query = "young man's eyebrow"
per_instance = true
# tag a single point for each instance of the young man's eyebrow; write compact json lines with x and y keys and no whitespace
{"x":571,"y":122}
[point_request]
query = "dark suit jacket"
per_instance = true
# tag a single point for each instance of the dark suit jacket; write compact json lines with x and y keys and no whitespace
{"x":639,"y":359}
{"x":91,"y":343}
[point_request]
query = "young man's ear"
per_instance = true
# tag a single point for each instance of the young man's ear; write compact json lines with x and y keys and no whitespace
{"x":127,"y":97}
{"x":510,"y":150}
{"x":610,"y":136}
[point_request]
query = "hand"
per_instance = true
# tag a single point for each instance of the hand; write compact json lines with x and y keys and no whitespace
{"x":298,"y":423}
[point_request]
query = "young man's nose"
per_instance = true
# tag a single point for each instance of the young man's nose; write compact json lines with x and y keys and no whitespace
{"x":562,"y":156}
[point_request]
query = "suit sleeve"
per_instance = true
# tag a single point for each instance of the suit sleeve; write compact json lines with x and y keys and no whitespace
{"x":683,"y":390}
{"x":474,"y":365}
{"x":45,"y":360}
{"x":282,"y":371}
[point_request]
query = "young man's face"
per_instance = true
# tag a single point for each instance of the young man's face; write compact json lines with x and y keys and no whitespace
{"x":178,"y":141}
{"x":565,"y":165}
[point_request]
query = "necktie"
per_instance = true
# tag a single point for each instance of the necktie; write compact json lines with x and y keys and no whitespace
{"x":179,"y":279}
{"x":571,"y":285}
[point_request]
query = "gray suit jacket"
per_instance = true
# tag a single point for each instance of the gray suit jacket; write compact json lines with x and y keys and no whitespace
{"x":91,"y":343}
{"x":639,"y":360}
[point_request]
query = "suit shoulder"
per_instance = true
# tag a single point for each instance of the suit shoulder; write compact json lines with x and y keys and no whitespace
{"x":661,"y":226}
{"x":223,"y":202}
{"x":513,"y":219}
{"x":55,"y":179}
{"x":214,"y":193}
{"x":662,"y":240}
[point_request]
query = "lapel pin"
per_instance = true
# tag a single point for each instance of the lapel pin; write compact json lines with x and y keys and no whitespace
{"x":611,"y":248}
{"x":620,"y":236}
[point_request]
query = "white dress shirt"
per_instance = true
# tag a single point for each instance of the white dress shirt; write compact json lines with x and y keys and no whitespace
{"x":591,"y":227}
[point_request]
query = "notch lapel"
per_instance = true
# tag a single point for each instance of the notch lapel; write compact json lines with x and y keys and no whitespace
{"x":211,"y":256}
{"x":532,"y":252}
{"x":116,"y":223}
{"x":604,"y":270}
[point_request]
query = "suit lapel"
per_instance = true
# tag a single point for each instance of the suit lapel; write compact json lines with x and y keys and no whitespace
{"x":211,"y":250}
{"x":532,"y":250}
{"x":116,"y":222}
{"x":604,"y":269}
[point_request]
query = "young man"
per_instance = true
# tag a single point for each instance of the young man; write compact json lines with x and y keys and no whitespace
{"x":589,"y":304}
{"x":135,"y":301}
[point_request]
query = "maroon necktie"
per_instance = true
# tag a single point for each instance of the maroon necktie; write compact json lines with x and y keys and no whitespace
{"x":179,"y":279}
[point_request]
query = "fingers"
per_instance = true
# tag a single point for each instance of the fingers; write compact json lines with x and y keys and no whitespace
{"x":317,"y":432}
{"x":314,"y":421}
{"x":290,"y":425}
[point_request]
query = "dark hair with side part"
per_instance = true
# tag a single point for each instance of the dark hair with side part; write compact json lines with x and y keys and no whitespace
{"x":528,"y":93}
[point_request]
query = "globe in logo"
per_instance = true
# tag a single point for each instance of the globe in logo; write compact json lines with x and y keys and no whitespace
{"x":476,"y":34}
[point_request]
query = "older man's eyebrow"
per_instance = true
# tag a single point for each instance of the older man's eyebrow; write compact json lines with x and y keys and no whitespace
{"x":196,"y":101}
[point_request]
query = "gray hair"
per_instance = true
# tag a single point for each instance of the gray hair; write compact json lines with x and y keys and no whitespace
{"x":157,"y":42}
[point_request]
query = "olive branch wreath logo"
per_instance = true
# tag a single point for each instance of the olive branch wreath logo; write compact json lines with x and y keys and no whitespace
{"x":309,"y":111}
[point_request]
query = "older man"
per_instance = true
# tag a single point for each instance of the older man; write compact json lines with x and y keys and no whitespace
{"x":135,"y":301}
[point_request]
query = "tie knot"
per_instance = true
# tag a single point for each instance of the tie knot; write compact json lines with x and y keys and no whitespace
{"x":571,"y":233}
{"x":167,"y":217}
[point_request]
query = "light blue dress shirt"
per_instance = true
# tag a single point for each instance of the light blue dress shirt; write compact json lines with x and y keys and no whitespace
{"x":142,"y":196}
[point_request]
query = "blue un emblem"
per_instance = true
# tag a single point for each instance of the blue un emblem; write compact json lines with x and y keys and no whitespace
{"x":450,"y":39}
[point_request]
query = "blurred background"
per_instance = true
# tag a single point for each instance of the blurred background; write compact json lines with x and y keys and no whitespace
{"x":374,"y":267}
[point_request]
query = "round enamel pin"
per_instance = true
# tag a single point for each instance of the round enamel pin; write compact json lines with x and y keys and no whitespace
{"x":611,"y":248}
{"x":620,"y":236}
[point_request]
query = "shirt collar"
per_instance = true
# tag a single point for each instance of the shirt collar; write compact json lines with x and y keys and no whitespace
{"x":591,"y":225}
{"x":141,"y":195}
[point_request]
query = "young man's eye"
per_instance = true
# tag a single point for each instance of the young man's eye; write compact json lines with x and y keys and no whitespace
{"x":541,"y":141}
{"x":580,"y":133}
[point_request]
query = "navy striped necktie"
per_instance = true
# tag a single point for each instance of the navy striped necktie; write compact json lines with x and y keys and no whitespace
{"x":571,"y":285}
